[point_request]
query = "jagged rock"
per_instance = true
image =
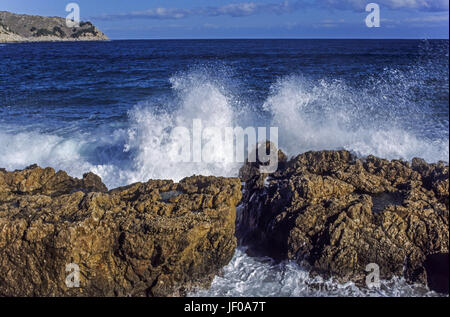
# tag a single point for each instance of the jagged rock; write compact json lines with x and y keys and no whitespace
{"x":336,"y":214}
{"x":148,"y":239}
{"x":35,"y":180}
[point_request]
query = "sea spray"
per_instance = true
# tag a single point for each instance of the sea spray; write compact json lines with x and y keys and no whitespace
{"x":262,"y":277}
{"x":311,"y":114}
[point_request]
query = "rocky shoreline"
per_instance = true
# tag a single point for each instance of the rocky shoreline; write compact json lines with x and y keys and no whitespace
{"x":156,"y":238}
{"x":326,"y":210}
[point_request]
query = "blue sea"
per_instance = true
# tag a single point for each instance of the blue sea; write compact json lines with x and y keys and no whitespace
{"x":109,"y":108}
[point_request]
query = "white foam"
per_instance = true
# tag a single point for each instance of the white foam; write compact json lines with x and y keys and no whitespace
{"x":262,"y":277}
{"x":196,"y":97}
{"x":317,"y":115}
{"x":310,"y":114}
{"x":22,"y":149}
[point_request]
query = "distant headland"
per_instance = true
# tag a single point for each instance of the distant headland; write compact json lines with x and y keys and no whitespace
{"x":33,"y":28}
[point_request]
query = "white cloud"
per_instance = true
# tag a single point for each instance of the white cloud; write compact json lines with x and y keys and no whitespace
{"x":432,"y":18}
{"x":234,"y":10}
{"x":421,"y":5}
{"x":253,"y":8}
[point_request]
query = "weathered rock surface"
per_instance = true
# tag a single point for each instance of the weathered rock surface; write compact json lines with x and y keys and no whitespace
{"x":337,"y":214}
{"x":33,"y":28}
{"x":148,"y":239}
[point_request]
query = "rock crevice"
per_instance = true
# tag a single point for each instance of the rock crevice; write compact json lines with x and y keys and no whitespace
{"x":336,"y":214}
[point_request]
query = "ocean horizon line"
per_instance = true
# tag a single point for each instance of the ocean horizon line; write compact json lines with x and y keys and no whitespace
{"x":269,"y":38}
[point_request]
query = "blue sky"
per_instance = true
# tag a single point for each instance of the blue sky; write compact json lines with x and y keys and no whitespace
{"x":139,"y":19}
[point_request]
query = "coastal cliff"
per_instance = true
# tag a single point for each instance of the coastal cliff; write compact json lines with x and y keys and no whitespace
{"x":31,"y":28}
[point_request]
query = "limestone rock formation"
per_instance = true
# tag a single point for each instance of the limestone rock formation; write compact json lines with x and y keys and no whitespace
{"x":337,"y":214}
{"x":157,"y":238}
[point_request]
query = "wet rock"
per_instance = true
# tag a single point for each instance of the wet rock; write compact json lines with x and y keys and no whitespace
{"x":336,"y":214}
{"x":157,"y":238}
{"x":437,"y":267}
{"x":383,"y":200}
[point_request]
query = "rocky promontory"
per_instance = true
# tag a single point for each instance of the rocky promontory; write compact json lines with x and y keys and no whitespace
{"x":336,"y":214}
{"x":32,"y":28}
{"x":157,"y":238}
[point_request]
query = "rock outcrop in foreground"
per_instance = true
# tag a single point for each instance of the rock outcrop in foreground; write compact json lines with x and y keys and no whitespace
{"x":148,"y":239}
{"x":336,"y":214}
{"x":32,"y":28}
{"x":326,"y":210}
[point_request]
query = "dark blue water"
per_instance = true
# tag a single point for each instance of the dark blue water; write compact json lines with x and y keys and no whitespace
{"x":110,"y":108}
{"x":95,"y":106}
